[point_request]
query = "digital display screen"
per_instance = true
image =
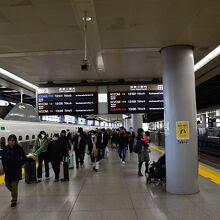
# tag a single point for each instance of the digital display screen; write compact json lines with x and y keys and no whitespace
{"x":68,"y":103}
{"x":140,"y":101}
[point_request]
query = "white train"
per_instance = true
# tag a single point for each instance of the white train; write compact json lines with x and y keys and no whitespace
{"x":27,"y":132}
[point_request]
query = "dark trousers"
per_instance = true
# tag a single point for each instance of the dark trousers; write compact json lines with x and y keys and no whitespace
{"x":131,"y":144}
{"x":56,"y":168}
{"x":43,"y":157}
{"x":13,"y":188}
{"x":79,"y":156}
{"x":102,"y":151}
{"x":95,"y":159}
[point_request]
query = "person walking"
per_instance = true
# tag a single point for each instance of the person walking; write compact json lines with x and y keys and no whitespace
{"x":79,"y":147}
{"x":93,"y":150}
{"x":13,"y":158}
{"x":123,"y":144}
{"x":102,"y":141}
{"x":131,"y":137}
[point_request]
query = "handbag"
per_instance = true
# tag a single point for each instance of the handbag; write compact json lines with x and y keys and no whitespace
{"x":94,"y":152}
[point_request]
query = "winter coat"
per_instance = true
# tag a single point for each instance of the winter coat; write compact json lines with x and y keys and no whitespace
{"x":55,"y":151}
{"x":12,"y":160}
{"x":82,"y":144}
{"x":65,"y":144}
{"x":103,"y":144}
{"x":40,"y":146}
{"x":123,"y":140}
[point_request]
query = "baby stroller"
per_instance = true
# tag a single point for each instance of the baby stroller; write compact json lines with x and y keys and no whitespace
{"x":157,"y":170}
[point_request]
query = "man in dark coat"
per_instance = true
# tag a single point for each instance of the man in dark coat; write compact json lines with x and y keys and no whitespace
{"x":55,"y":152}
{"x":13,"y":157}
{"x":102,"y":141}
{"x":65,"y":143}
{"x":79,"y":146}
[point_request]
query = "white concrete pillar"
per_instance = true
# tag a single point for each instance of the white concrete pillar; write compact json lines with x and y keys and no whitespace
{"x":180,"y":106}
{"x":137,"y":121}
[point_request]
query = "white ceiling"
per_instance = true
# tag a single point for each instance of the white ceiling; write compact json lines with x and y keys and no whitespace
{"x":42,"y":40}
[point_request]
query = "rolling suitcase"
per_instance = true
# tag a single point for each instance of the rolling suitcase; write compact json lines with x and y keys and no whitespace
{"x":65,"y":169}
{"x":30,"y":171}
{"x":71,"y":160}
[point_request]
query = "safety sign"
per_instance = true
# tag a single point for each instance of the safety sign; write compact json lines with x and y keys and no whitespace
{"x":182,"y":130}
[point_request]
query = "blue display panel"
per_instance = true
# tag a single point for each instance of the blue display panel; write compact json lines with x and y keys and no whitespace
{"x":68,"y":103}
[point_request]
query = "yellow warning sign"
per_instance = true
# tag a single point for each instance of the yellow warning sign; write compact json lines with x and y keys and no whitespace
{"x":182,"y":130}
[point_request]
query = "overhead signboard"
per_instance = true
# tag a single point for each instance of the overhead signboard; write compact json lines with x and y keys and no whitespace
{"x":136,"y":99}
{"x":67,"y":101}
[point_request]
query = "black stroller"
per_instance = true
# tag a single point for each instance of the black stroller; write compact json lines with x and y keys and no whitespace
{"x":157,"y":170}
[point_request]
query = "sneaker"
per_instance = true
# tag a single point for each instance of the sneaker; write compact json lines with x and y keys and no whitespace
{"x":56,"y":180}
{"x":13,"y":204}
{"x":123,"y":162}
{"x":39,"y":180}
{"x":96,"y":170}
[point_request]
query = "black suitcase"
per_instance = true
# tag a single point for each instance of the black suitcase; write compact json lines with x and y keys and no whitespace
{"x":30,"y":171}
{"x":65,"y":169}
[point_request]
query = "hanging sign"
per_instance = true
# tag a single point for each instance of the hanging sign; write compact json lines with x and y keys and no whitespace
{"x":182,"y":131}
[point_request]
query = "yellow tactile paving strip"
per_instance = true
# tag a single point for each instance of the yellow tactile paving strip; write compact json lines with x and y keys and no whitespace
{"x":206,"y":172}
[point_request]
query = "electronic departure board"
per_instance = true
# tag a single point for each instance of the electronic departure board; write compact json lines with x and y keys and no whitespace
{"x":67,"y":101}
{"x":135,"y":101}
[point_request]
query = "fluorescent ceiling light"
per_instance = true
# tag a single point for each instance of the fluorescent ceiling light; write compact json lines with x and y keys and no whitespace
{"x":207,"y":58}
{"x":18,"y":79}
{"x":87,"y":18}
{"x":9,"y":91}
{"x":100,"y":63}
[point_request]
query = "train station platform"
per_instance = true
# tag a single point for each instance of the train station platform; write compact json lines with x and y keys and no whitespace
{"x":115,"y":192}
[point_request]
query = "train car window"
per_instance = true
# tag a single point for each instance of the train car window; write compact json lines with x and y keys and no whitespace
{"x":20,"y":138}
{"x":2,"y":142}
{"x":33,"y":136}
{"x":27,"y":137}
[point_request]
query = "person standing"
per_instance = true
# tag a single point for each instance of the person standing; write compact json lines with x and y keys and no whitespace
{"x":40,"y":150}
{"x":142,"y":151}
{"x":79,"y":146}
{"x":55,"y":152}
{"x":13,"y":158}
{"x":93,"y":150}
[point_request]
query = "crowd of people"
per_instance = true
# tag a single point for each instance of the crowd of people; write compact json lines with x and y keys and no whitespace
{"x":95,"y":143}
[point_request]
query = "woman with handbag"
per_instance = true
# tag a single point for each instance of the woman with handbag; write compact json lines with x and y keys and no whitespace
{"x":93,"y":150}
{"x":141,"y":148}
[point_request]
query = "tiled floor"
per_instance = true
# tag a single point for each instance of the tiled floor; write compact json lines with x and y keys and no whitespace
{"x":115,"y":192}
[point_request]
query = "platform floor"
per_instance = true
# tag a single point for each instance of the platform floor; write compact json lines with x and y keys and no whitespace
{"x":115,"y":192}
